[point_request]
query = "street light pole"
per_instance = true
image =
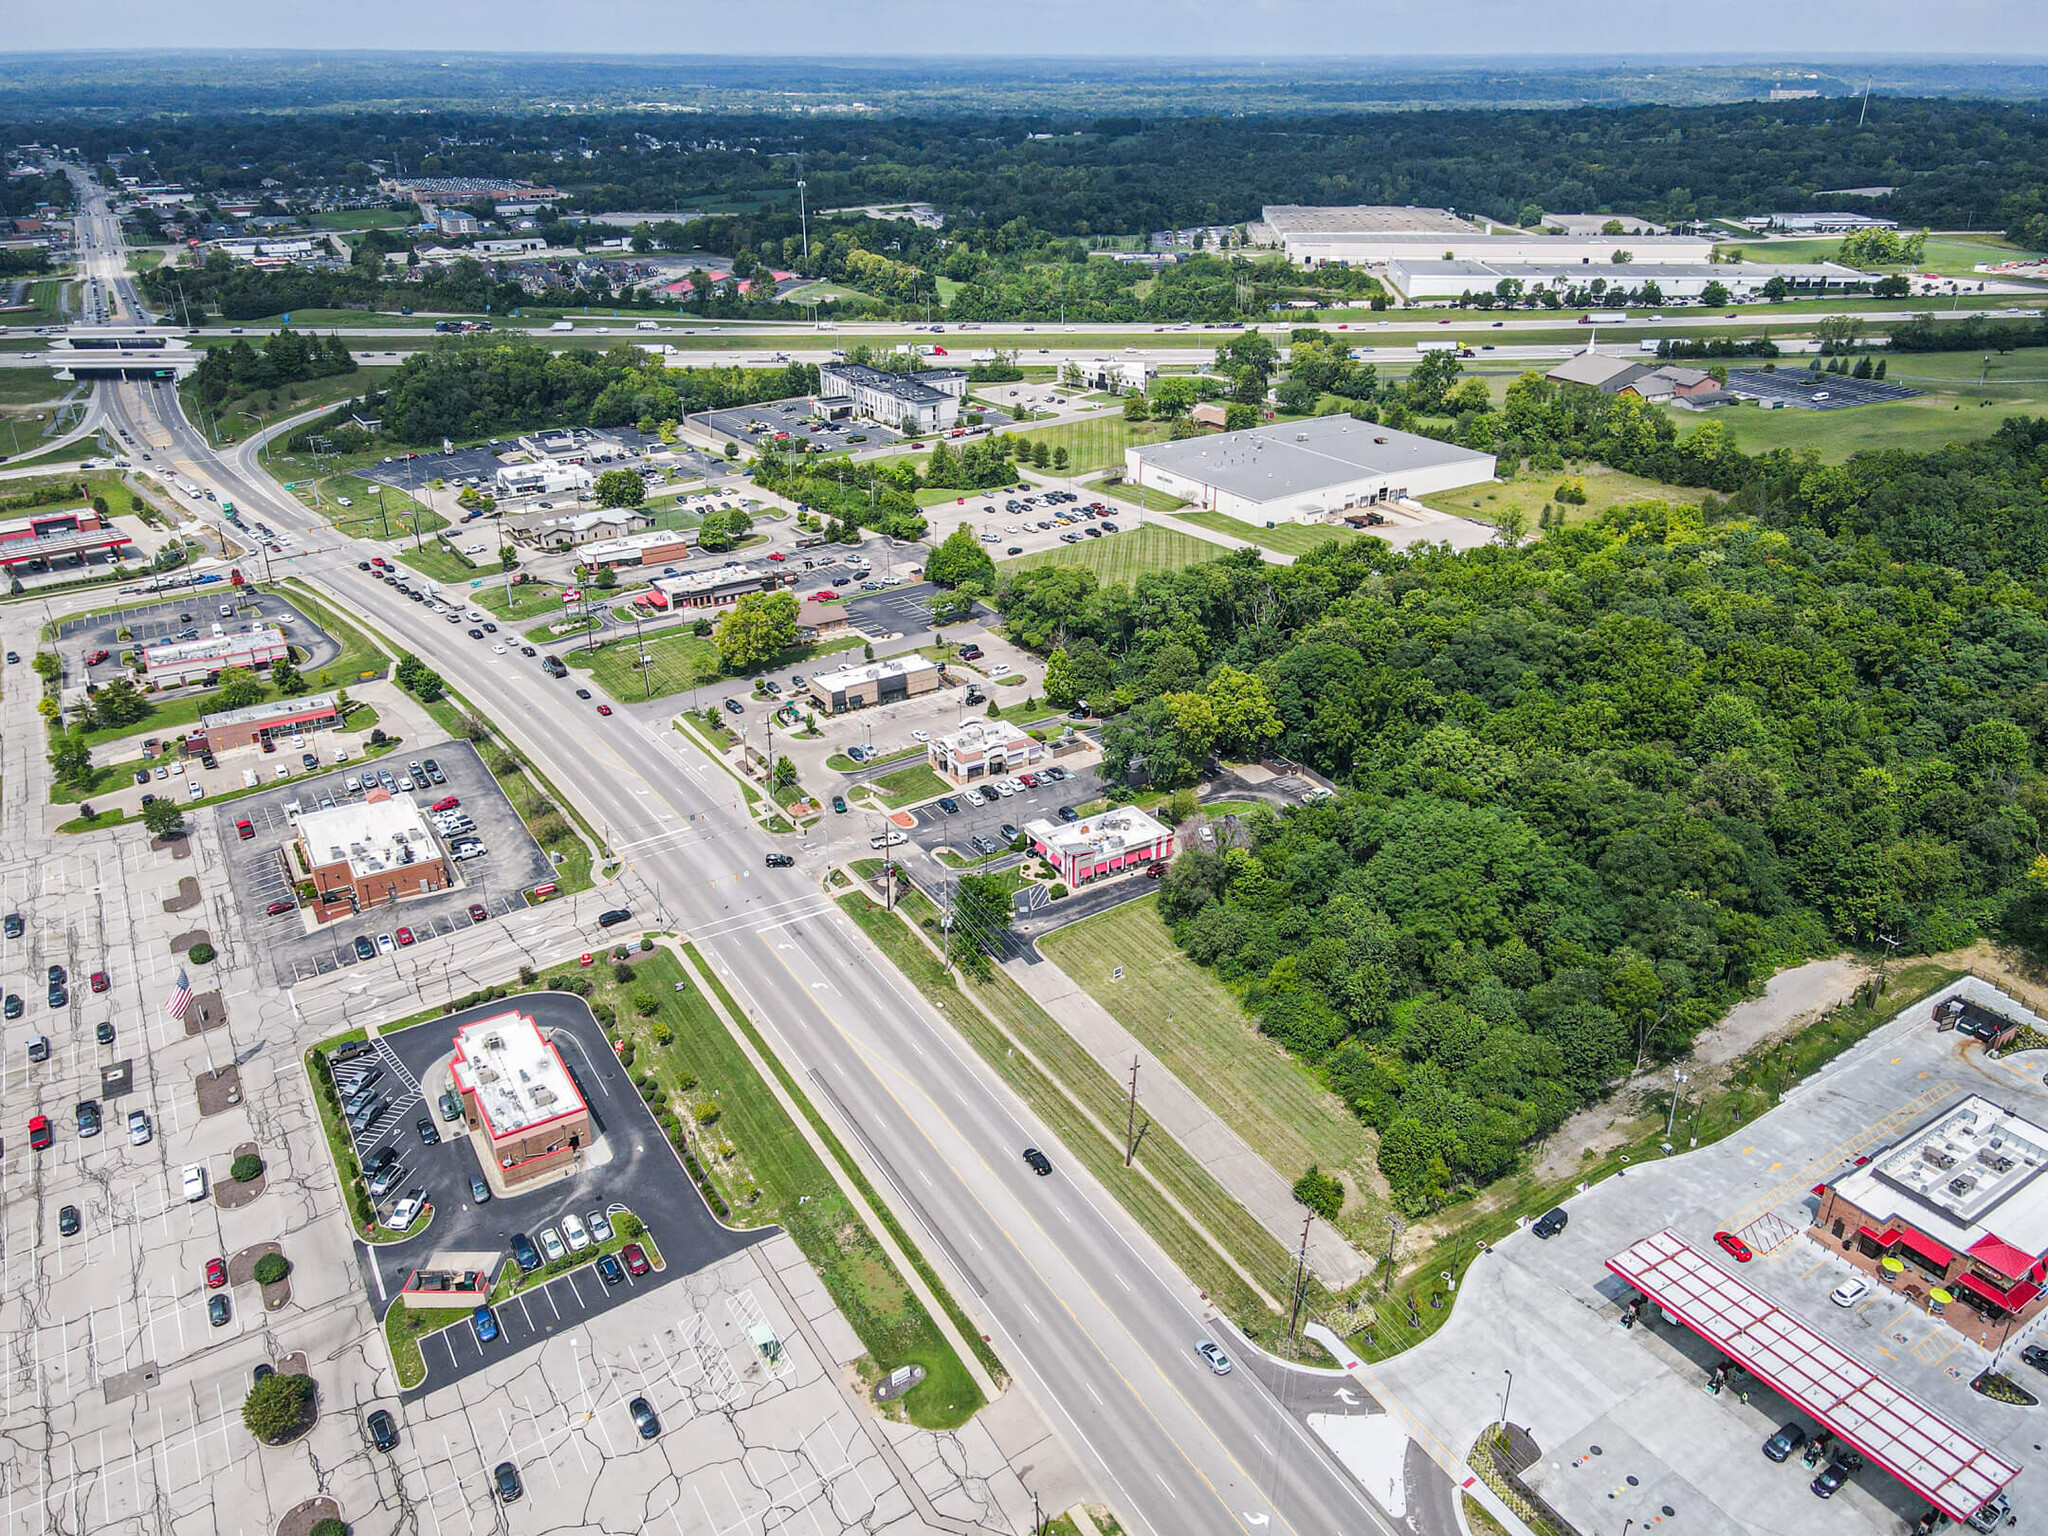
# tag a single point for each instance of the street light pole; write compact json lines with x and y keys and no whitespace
{"x":1677,"y":1083}
{"x":1504,"y":1397}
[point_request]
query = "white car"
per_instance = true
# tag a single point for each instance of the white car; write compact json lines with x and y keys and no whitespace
{"x":1850,"y":1291}
{"x":138,"y":1127}
{"x":343,"y":501}
{"x":976,"y":797}
{"x":1006,"y":789}
{"x":497,"y":650}
{"x":385,"y":946}
{"x":921,"y":736}
{"x":999,"y":669}
{"x":195,"y":1182}
{"x":405,"y":1213}
{"x":193,"y":791}
{"x":551,"y":1244}
{"x":577,"y":1234}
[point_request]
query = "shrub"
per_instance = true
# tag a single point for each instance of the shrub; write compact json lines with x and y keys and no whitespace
{"x":246,"y":1169}
{"x":663,"y":1035}
{"x":1321,"y":1192}
{"x":271,"y":1268}
{"x":1057,"y":892}
{"x":329,"y":1527}
{"x":528,"y":975}
{"x":276,"y":1406}
{"x":646,"y":1004}
{"x":705,"y":1112}
{"x":200,"y":953}
{"x":629,"y":1226}
{"x":622,"y":972}
{"x":646,"y":944}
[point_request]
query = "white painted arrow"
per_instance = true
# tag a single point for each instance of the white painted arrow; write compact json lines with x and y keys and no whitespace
{"x":1252,"y":1519}
{"x":1344,"y":1393}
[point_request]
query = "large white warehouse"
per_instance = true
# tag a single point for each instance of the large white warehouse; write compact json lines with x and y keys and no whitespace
{"x":1373,"y":236}
{"x":1304,"y":472}
{"x":1418,"y":278}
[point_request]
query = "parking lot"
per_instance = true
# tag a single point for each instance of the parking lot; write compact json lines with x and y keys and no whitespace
{"x":986,"y":515}
{"x":1803,"y":390}
{"x":796,"y":418}
{"x":1549,"y":1311}
{"x":632,"y":1167}
{"x":498,"y":881}
{"x":195,"y":612}
{"x":892,"y":612}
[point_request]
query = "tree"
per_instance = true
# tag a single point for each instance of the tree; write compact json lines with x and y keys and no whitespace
{"x":1715,"y":294}
{"x":756,"y":629}
{"x":620,"y":488}
{"x":961,"y":558}
{"x":1242,"y":712}
{"x":1321,"y":1192}
{"x":1136,"y":408}
{"x":246,"y":1169}
{"x":981,"y":921}
{"x":1238,"y":417}
{"x":419,"y":679}
{"x":1059,"y":679}
{"x":239,"y":688}
{"x":163,"y":818}
{"x":119,"y":702}
{"x":286,"y":679}
{"x":71,"y":759}
{"x":276,"y":1406}
{"x":1247,"y":359}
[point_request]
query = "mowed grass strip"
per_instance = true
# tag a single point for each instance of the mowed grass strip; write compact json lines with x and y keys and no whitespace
{"x":1097,"y":444}
{"x":1193,"y":1023}
{"x":676,"y":663}
{"x":1286,"y":538}
{"x":1123,"y":557}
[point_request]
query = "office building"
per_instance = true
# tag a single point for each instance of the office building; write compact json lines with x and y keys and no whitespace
{"x":928,"y":401}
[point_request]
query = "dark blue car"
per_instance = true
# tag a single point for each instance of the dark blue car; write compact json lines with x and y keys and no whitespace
{"x":523,"y":1251}
{"x":486,"y":1325}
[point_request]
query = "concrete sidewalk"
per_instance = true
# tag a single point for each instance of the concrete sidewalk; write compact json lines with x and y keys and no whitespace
{"x":1183,"y":1116}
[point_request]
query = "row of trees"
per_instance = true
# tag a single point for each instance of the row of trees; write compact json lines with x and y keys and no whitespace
{"x":1595,"y":786}
{"x":287,"y":357}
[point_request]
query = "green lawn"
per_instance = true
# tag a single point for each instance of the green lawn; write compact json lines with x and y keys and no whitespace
{"x":89,"y":447}
{"x":1194,"y":1024}
{"x":1143,"y":496}
{"x":1287,"y":538}
{"x":1529,"y":493}
{"x":1950,"y":255}
{"x":679,"y":663}
{"x":238,"y":416}
{"x":1932,"y":421}
{"x":376,"y":511}
{"x":31,"y":386}
{"x":530,"y":601}
{"x":1123,"y":557}
{"x":907,"y":786}
{"x":1097,"y":444}
{"x":363,"y":218}
{"x":440,"y":561}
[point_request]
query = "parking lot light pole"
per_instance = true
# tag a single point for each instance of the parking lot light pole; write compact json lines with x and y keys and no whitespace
{"x":1504,"y":1397}
{"x":1677,"y":1085}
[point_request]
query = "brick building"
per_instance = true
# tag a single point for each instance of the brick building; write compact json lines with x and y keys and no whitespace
{"x":368,"y":854}
{"x":1121,"y":839}
{"x":517,"y":1092}
{"x":231,"y":728}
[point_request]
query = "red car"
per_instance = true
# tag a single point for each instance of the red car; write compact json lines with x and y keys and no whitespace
{"x":824,"y":595}
{"x":777,"y":556}
{"x":243,"y":830}
{"x":101,"y":981}
{"x":604,"y":709}
{"x":636,"y":1259}
{"x":1734,"y":1247}
{"x":404,"y":938}
{"x":446,"y":803}
{"x":38,"y":1131}
{"x":277,"y":908}
{"x":477,"y":913}
{"x":216,"y":1274}
{"x":96,"y":658}
{"x":1028,"y":780}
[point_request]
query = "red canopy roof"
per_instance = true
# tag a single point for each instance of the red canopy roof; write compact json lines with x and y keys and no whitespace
{"x":1926,"y":1247}
{"x":2011,"y":1300}
{"x":1882,"y":1239}
{"x":1995,"y":1251}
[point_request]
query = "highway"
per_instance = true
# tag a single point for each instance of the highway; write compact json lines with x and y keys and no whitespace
{"x":1083,"y":1309}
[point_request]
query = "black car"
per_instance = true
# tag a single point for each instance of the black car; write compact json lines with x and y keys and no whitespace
{"x":383,"y":1158}
{"x":1068,"y":813}
{"x":88,"y":1113}
{"x":506,"y":1476}
{"x":365,"y":950}
{"x":582,"y":693}
{"x":13,"y":1006}
{"x":781,"y":861}
{"x":609,"y":1269}
{"x":1551,"y":1222}
{"x":58,"y":976}
{"x":524,"y":1253}
{"x":433,"y":768}
{"x":383,"y":1429}
{"x":1833,"y":1475}
{"x":644,"y":1418}
{"x":2035,"y":1356}
{"x":614,"y":917}
{"x":1789,"y":1438}
{"x":949,"y":805}
{"x":59,"y":997}
{"x":104,"y":1033}
{"x":67,"y":1220}
{"x":1041,"y":1165}
{"x":14,"y":926}
{"x":362,"y":565}
{"x":217,"y":1311}
{"x":735,"y":707}
{"x":429,"y":1135}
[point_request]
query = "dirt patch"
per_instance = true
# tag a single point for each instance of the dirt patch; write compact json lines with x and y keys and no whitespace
{"x":218,"y":1091}
{"x":300,"y":1519}
{"x":205,"y":1012}
{"x":179,"y":847}
{"x":2010,"y":970}
{"x":231,"y":1195}
{"x":185,"y":941}
{"x":186,"y":899}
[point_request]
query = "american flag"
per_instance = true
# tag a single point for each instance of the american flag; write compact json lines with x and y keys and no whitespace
{"x":181,"y":999}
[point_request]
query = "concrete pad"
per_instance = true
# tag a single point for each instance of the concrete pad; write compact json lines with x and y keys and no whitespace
{"x":1373,"y":1449}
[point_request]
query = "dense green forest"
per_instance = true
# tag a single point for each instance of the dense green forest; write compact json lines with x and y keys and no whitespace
{"x":286,"y":357}
{"x":1596,"y":786}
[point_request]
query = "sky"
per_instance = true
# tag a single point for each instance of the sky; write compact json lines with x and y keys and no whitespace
{"x":1235,"y":29}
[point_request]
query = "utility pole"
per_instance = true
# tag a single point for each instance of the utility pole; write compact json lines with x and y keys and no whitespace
{"x":1677,"y":1085}
{"x":1300,"y":1275}
{"x":803,"y":214}
{"x":1131,"y":1118}
{"x":1393,"y":1237}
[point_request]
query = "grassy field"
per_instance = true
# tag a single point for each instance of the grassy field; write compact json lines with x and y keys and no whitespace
{"x":1123,"y":557}
{"x":680,"y":662}
{"x":375,"y":512}
{"x":1194,"y":1024}
{"x":1932,"y":421}
{"x":31,"y":386}
{"x":1951,"y":255}
{"x":907,"y":786}
{"x":1287,"y":538}
{"x":530,"y":601}
{"x":1097,"y":444}
{"x":1137,"y":495}
{"x":363,"y":218}
{"x":240,"y":415}
{"x":437,"y":561}
{"x":1530,"y":493}
{"x":91,"y":447}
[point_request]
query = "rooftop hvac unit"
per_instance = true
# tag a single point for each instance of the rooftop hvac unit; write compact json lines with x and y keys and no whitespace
{"x":543,"y":1095}
{"x":1962,"y":1185}
{"x":494,"y":1041}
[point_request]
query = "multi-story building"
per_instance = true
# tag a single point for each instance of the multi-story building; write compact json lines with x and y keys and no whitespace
{"x":928,"y":401}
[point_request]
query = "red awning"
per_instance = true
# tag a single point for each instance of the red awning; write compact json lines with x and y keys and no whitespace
{"x":1926,"y":1247}
{"x":1998,"y":1254}
{"x":1882,"y":1239}
{"x":2011,"y":1300}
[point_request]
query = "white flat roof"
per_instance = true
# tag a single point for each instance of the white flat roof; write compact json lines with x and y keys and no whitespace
{"x":872,"y":671}
{"x":977,"y":734}
{"x":1110,"y":833}
{"x":516,"y":1074}
{"x":1364,"y":219}
{"x":1274,"y":462}
{"x":213,"y":647}
{"x":1970,"y":1170}
{"x":387,"y":832}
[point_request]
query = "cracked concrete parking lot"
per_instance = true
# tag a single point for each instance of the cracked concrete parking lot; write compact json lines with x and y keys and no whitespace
{"x":498,"y":881}
{"x":633,"y":1166}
